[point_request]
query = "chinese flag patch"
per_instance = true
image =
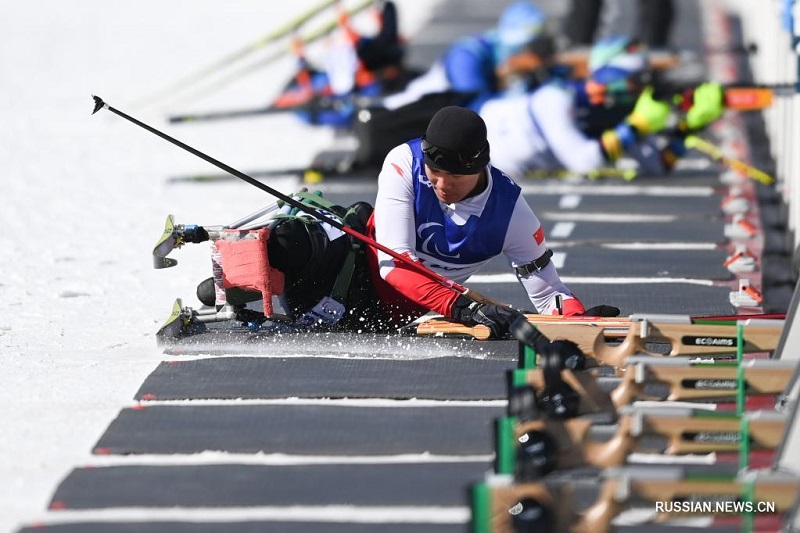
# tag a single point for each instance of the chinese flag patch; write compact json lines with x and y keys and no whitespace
{"x":539,"y":235}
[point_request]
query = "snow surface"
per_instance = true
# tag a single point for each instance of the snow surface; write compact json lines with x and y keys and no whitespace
{"x":84,"y":199}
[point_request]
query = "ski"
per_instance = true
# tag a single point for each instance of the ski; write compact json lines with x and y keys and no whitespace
{"x":233,"y":113}
{"x":222,"y":176}
{"x":327,"y":163}
{"x":169,"y":241}
{"x":305,"y":39}
{"x":180,"y":323}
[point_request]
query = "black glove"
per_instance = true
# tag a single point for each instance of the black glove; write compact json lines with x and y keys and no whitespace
{"x":496,"y":318}
{"x":601,"y":310}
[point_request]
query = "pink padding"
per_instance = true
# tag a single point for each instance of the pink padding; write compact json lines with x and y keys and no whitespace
{"x":245,"y":265}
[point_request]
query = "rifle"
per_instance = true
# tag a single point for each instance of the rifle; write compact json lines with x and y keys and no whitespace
{"x":501,"y":506}
{"x":739,"y":97}
{"x":660,"y":379}
{"x":535,"y":448}
{"x":578,"y":61}
{"x":638,"y":335}
{"x":314,"y":105}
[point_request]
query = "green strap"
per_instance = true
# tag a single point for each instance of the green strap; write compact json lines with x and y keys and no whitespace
{"x":481,"y":508}
{"x":748,"y":517}
{"x":519,"y":377}
{"x":740,"y":381}
{"x":342,"y":284}
{"x":506,"y":448}
{"x":744,"y":442}
{"x":527,"y":356}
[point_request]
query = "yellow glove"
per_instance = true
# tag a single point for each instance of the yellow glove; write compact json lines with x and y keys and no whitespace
{"x":708,"y":104}
{"x":649,"y":115}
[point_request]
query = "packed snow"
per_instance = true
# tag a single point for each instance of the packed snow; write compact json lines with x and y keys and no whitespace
{"x":84,"y":199}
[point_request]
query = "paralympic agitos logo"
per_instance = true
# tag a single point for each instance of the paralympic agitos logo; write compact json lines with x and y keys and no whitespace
{"x":437,"y":236}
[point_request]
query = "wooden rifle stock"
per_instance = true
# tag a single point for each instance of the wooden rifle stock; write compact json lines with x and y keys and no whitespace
{"x":686,"y":432}
{"x":685,"y":380}
{"x":701,"y":381}
{"x":621,"y":487}
{"x":590,"y":334}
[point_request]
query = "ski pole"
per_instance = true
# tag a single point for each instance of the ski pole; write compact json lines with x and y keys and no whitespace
{"x":241,"y":53}
{"x":473,"y":295}
{"x":245,"y":70}
{"x":705,"y":147}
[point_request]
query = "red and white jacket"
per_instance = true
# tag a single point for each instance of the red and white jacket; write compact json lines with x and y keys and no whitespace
{"x":454,"y":240}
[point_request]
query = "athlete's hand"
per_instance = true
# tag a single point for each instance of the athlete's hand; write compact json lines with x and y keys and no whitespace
{"x":649,"y":115}
{"x":708,"y":104}
{"x":495,"y":317}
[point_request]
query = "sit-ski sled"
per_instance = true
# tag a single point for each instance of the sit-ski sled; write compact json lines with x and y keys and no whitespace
{"x":243,"y":277}
{"x":247,"y":276}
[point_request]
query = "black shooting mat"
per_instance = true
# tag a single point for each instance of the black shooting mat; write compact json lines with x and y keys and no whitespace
{"x":440,"y":378}
{"x":230,"y":338}
{"x":682,"y":230}
{"x":631,"y":298}
{"x":548,"y":205}
{"x":245,"y":527}
{"x":321,"y":429}
{"x":581,"y":199}
{"x":615,"y":263}
{"x":238,"y":485}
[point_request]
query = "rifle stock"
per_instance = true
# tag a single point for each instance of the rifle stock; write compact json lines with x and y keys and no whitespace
{"x":685,"y":380}
{"x":700,"y":381}
{"x":578,"y":61}
{"x":683,"y":339}
{"x":590,"y":333}
{"x":685,"y":432}
{"x":623,"y":486}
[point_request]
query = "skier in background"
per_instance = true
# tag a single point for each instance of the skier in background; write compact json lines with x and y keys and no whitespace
{"x":581,"y":126}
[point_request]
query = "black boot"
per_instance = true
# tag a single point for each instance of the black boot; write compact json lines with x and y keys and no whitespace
{"x":206,"y":292}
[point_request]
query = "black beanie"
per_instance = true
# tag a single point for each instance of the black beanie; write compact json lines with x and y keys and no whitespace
{"x":460,"y":133}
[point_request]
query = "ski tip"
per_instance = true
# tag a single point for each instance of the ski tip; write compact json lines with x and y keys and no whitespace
{"x":98,"y":104}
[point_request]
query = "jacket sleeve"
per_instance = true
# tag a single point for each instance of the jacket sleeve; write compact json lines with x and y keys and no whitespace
{"x":525,"y":242}
{"x":552,"y":109}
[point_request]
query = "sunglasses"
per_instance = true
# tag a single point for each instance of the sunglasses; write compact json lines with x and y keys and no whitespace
{"x":450,"y":159}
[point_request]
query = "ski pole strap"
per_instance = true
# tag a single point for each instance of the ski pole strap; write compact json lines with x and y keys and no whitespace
{"x":537,"y":265}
